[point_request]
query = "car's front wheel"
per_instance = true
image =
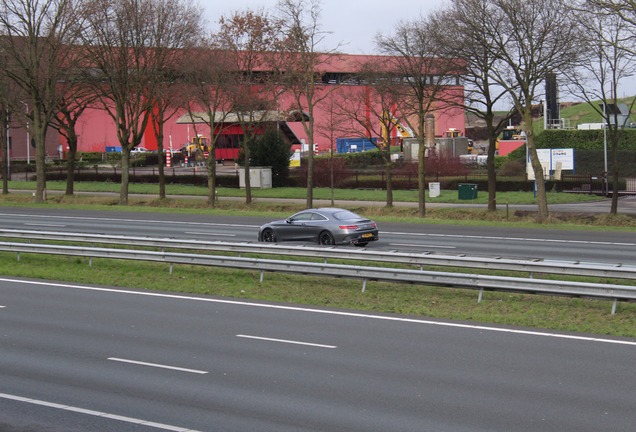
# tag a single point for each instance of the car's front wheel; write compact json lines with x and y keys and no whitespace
{"x":268,"y":236}
{"x":325,"y":238}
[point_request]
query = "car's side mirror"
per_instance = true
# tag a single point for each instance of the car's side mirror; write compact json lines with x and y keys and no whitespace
{"x":288,"y":221}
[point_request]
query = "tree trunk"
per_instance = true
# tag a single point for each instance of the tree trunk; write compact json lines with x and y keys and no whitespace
{"x":542,"y":199}
{"x":388,"y":167}
{"x":310,"y":155}
{"x":39,"y":132}
{"x":125,"y":175}
{"x":70,"y":169}
{"x":492,"y":173}
{"x":211,"y":164}
{"x":421,"y":176}
{"x":614,"y":170}
{"x":161,"y":160}
{"x":248,"y":182}
{"x":5,"y":152}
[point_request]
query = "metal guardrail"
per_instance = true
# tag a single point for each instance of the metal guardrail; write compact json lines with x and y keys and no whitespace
{"x":365,"y":273}
{"x":570,"y":268}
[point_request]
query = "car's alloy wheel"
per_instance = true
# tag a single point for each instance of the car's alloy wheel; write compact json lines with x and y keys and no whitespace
{"x":325,"y":238}
{"x":268,"y":236}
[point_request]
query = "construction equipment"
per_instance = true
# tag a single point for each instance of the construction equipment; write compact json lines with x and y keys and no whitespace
{"x":453,"y":133}
{"x":197,"y":144}
{"x":456,"y":133}
{"x":512,"y":137}
{"x":402,"y":130}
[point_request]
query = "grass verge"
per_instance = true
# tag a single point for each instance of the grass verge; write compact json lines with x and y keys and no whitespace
{"x":542,"y":312}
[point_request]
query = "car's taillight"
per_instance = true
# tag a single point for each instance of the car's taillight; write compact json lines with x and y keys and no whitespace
{"x":374,"y":225}
{"x":348,"y":227}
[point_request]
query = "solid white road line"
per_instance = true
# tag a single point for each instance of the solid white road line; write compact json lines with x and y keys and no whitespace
{"x":156,"y":365}
{"x":95,"y":413}
{"x":287,"y":341}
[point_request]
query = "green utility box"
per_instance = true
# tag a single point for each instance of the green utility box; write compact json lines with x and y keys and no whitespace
{"x":466,"y":191}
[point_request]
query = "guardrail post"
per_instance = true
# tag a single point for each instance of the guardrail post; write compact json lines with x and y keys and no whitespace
{"x":481,"y":295}
{"x":262,"y":276}
{"x":364,"y":285}
{"x":18,"y":256}
{"x":170,"y":268}
{"x":90,"y":261}
{"x":614,"y":306}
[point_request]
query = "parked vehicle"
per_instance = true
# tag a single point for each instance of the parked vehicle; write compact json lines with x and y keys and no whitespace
{"x":326,"y":226}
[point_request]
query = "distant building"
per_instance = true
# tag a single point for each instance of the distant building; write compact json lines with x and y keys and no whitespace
{"x":97,"y":130}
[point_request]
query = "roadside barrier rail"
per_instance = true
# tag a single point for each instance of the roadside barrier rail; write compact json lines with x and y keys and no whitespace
{"x":530,"y":266}
{"x":365,"y":273}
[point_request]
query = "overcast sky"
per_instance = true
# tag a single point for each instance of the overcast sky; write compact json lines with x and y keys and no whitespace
{"x":354,"y":23}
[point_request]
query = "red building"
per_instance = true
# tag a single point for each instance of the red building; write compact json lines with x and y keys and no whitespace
{"x":96,"y":130}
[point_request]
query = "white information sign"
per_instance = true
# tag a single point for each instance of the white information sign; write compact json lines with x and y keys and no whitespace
{"x":565,"y":156}
{"x":551,"y":159}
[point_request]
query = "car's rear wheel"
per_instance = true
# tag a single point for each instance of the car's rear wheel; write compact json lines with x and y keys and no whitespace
{"x":268,"y":236}
{"x":325,"y":238}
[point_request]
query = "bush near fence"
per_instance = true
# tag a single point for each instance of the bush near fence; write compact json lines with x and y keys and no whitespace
{"x":196,"y":178}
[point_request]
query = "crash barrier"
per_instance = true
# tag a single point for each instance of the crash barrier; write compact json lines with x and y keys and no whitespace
{"x":365,"y":273}
{"x":530,"y":266}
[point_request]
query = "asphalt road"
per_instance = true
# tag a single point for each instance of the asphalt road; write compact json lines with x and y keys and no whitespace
{"x":533,"y":243}
{"x":89,"y":359}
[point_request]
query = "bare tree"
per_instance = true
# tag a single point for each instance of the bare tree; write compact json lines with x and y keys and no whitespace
{"x":76,"y":98}
{"x":120,"y":52}
{"x":332,"y":125}
{"x":531,"y":39}
{"x":624,"y":9}
{"x":428,"y":81}
{"x":38,"y":40}
{"x":608,"y":60}
{"x":207,"y":75}
{"x":176,"y":26}
{"x":373,"y":109}
{"x":465,"y":39}
{"x":301,"y":64}
{"x":249,"y":39}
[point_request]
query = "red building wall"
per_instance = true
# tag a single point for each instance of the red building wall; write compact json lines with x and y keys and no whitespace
{"x":97,"y":129}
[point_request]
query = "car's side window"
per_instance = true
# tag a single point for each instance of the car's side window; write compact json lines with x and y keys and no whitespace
{"x":302,"y":217}
{"x":318,"y":217}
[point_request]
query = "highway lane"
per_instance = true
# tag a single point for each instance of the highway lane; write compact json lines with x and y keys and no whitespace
{"x":108,"y":359}
{"x":581,"y":245}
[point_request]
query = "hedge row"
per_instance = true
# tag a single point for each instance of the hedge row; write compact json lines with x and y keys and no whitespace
{"x":584,"y":139}
{"x":196,"y":180}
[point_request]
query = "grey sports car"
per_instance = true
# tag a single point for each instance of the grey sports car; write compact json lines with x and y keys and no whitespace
{"x":327,"y":226}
